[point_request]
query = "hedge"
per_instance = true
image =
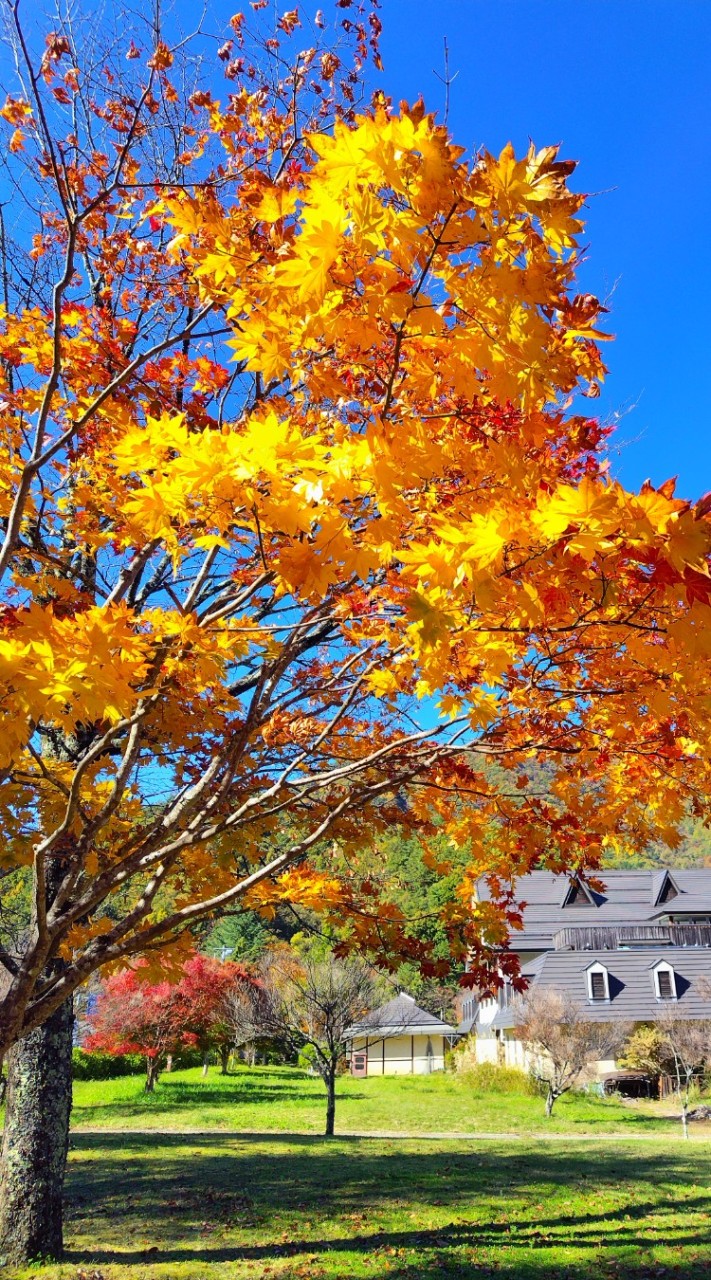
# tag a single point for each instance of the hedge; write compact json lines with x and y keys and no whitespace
{"x":106,"y":1066}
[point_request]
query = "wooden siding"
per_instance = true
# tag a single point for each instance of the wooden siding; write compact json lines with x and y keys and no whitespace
{"x":611,"y":938}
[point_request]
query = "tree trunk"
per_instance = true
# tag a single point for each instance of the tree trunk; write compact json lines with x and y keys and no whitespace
{"x":205,"y":1064}
{"x":152,"y":1073}
{"x":35,"y":1142}
{"x":550,"y":1103}
{"x":685,"y":1111}
{"x":224,"y":1058}
{"x":330,"y":1103}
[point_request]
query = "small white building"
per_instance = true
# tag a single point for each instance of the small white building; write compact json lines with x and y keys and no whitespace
{"x":398,"y":1039}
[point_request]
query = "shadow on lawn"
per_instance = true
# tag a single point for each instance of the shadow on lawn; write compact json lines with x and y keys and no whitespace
{"x":174,"y":1094}
{"x":228,"y":1186}
{"x":216,"y":1091}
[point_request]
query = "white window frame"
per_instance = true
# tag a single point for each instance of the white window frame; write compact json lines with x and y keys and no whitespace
{"x":598,"y":968}
{"x":665,"y":966}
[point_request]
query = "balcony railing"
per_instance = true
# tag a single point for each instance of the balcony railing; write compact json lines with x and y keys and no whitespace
{"x":616,"y":937}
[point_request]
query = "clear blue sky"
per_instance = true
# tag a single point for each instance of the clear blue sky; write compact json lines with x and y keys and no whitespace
{"x":624,"y":85}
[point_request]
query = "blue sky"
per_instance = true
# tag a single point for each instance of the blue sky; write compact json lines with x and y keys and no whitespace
{"x":624,"y":86}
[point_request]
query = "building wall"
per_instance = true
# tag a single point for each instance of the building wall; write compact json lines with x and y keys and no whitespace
{"x":488,"y":1010}
{"x":402,"y":1055}
{"x":510,"y":1052}
{"x":515,"y":1055}
{"x":487,"y":1049}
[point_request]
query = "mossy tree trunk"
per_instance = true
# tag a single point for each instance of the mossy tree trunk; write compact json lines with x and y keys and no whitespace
{"x":36,"y":1136}
{"x":35,"y":1142}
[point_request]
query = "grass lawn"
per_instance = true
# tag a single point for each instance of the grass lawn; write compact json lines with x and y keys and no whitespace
{"x":285,"y":1100}
{"x":238,"y":1208}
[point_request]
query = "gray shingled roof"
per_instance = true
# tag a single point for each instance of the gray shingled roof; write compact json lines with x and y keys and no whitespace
{"x":631,"y":982}
{"x":466,"y":1026}
{"x":696,"y":904}
{"x":628,"y":899}
{"x":400,"y":1016}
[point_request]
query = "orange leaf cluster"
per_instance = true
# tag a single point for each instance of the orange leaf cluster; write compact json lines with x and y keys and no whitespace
{"x":301,"y":517}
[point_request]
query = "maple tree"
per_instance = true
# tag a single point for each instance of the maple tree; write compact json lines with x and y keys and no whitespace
{"x":293,"y":451}
{"x":202,"y":1001}
{"x":159,"y":1019}
{"x":136,"y":1016}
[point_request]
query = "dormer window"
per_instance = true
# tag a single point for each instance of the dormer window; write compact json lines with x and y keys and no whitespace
{"x":664,"y":982}
{"x":598,"y":983}
{"x":578,"y":895}
{"x":664,"y":888}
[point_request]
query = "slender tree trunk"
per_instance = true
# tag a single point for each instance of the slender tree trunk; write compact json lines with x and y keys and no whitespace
{"x":205,"y":1064}
{"x":35,"y":1142}
{"x":152,"y":1073}
{"x":330,"y":1102}
{"x":224,"y":1058}
{"x":550,"y":1102}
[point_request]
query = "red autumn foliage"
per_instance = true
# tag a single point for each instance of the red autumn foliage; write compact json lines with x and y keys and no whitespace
{"x":200,"y":1002}
{"x":159,"y":1019}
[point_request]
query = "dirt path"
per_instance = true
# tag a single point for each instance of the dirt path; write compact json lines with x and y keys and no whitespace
{"x":391,"y":1134}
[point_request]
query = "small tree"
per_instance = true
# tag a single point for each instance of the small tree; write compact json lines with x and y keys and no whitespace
{"x":159,"y":1019}
{"x":561,"y":1042}
{"x":648,"y":1050}
{"x":688,"y":1043}
{"x":309,"y":1002}
{"x":245,"y":1009}
{"x":135,"y":1016}
{"x":679,"y":1047}
{"x":199,"y":1004}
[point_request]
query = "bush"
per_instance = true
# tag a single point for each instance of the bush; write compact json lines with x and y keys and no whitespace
{"x":109,"y":1066}
{"x":105,"y":1066}
{"x":192,"y":1058}
{"x":450,"y":1060}
{"x":488,"y":1077}
{"x":307,"y":1059}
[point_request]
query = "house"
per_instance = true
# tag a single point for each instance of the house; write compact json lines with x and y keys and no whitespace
{"x":399,"y":1038}
{"x":641,"y":944}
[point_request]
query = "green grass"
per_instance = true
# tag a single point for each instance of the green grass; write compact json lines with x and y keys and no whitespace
{"x":277,"y":1206}
{"x":271,"y":1208}
{"x":285,"y":1100}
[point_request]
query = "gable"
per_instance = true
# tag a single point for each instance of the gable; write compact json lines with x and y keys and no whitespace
{"x":578,"y":894}
{"x":664,"y":888}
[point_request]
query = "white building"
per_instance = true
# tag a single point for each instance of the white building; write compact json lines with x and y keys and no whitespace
{"x":624,"y":952}
{"x":399,"y":1038}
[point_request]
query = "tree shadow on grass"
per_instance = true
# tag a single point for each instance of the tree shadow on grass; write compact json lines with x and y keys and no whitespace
{"x":171,"y":1095}
{"x":248,"y":1194}
{"x":470,"y":1250}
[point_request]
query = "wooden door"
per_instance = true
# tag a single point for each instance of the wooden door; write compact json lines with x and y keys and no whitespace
{"x":359,"y":1062}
